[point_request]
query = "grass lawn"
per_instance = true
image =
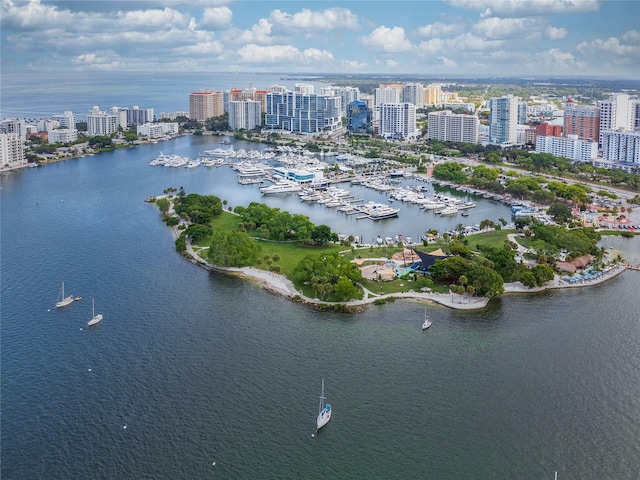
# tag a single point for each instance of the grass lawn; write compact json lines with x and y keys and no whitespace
{"x":291,"y":253}
{"x":492,"y":238}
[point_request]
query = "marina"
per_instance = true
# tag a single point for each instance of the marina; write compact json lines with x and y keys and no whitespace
{"x":171,"y":327}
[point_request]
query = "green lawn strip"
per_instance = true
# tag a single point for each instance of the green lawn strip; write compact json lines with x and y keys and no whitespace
{"x":492,"y":238}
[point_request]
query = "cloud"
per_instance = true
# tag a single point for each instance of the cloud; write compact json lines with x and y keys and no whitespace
{"x":523,"y":8}
{"x":501,"y":28}
{"x":260,"y":32}
{"x":554,"y":33}
{"x":441,"y":29}
{"x":282,"y":54}
{"x":388,"y":40}
{"x":614,"y":51}
{"x":353,"y":64}
{"x":217,"y":17}
{"x":326,"y":20}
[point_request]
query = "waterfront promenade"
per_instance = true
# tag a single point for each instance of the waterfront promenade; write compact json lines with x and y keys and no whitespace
{"x":282,"y":285}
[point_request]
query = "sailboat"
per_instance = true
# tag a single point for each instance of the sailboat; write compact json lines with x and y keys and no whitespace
{"x":62,"y":300}
{"x":324,"y":411}
{"x":95,"y":318}
{"x":427,"y":323}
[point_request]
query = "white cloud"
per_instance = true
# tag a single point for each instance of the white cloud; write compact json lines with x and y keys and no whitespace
{"x":448,"y":62}
{"x":217,"y":17}
{"x":431,"y":47}
{"x":439,"y":29}
{"x":554,"y":33}
{"x":353,"y":64}
{"x":260,"y":32}
{"x":520,"y":8}
{"x":388,"y":40}
{"x":325,"y":20}
{"x":474,"y":43}
{"x":282,"y":54}
{"x":500,"y":28}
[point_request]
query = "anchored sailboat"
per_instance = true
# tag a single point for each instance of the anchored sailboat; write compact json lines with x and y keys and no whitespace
{"x":427,"y":323}
{"x":324,"y":411}
{"x":94,"y":318}
{"x":62,"y":300}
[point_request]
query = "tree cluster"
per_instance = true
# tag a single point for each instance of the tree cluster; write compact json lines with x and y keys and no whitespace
{"x":262,"y":221}
{"x":329,"y":275}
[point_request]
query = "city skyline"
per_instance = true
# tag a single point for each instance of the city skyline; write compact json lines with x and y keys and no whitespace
{"x":451,"y":37}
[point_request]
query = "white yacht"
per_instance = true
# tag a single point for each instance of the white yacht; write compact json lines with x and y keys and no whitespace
{"x":283,"y":186}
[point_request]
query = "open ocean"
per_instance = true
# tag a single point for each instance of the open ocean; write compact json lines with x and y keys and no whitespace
{"x":202,"y":368}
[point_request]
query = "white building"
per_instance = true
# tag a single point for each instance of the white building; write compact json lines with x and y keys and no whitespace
{"x":346,"y":94}
{"x":101,"y":123}
{"x":304,"y":88}
{"x":449,"y":127}
{"x":63,"y":135}
{"x":13,"y":125}
{"x":387,"y":95}
{"x":618,"y":113}
{"x":173,"y":115}
{"x":66,"y":120}
{"x":157,"y":130}
{"x":503,"y":121}
{"x":571,"y":147}
{"x":398,"y":121}
{"x":245,"y":115}
{"x":621,"y":146}
{"x":11,"y":150}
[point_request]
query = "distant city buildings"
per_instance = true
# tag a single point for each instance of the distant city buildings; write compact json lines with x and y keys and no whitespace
{"x":101,"y":123}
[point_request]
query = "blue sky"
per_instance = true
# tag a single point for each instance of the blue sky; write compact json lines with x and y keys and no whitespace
{"x":449,"y":37}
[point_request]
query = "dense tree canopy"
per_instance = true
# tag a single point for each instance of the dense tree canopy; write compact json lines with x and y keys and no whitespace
{"x":233,"y":249}
{"x":329,"y":272}
{"x":198,"y":208}
{"x":266,"y":222}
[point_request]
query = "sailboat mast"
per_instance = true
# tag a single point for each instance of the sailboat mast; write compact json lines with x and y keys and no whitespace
{"x":322,"y":397}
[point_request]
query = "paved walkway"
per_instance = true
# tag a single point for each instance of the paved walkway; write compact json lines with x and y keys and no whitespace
{"x":282,"y":285}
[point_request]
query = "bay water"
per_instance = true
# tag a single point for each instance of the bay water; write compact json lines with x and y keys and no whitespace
{"x":202,"y":368}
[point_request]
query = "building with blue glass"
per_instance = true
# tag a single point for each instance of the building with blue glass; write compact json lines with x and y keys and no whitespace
{"x":358,"y":117}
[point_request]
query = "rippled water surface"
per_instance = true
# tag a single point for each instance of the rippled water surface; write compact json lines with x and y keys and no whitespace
{"x":201,"y":368}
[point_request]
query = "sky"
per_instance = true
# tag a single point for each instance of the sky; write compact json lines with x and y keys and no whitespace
{"x":450,"y":37}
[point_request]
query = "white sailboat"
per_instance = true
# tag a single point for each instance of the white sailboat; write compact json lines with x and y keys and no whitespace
{"x":427,"y":323}
{"x":62,"y":300}
{"x":324,"y":411}
{"x":94,"y":318}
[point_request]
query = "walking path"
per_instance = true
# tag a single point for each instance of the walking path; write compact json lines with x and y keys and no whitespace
{"x":282,"y":285}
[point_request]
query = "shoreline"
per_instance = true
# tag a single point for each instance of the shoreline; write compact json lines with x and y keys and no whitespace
{"x":281,"y":285}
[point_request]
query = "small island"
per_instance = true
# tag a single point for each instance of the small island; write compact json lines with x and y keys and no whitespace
{"x":291,"y":256}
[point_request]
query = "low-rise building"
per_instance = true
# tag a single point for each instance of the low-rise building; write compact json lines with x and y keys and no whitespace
{"x":571,"y":147}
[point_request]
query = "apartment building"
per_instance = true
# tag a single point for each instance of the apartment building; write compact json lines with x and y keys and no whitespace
{"x":446,"y":126}
{"x":582,"y":120}
{"x":245,"y":115}
{"x":570,"y":147}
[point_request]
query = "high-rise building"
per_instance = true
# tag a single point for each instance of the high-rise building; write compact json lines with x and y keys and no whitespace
{"x":205,"y":104}
{"x":304,"y":88}
{"x":568,"y":147}
{"x":387,"y":95}
{"x":617,"y":113}
{"x":503,"y":120}
{"x":449,"y":127}
{"x":303,"y":113}
{"x":101,"y":123}
{"x":11,"y":149}
{"x":66,"y":120}
{"x":13,"y":125}
{"x":621,"y":146}
{"x":582,"y":120}
{"x":413,"y":93}
{"x":244,"y":115}
{"x":432,"y":94}
{"x":358,"y":117}
{"x":346,"y":94}
{"x":398,"y":121}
